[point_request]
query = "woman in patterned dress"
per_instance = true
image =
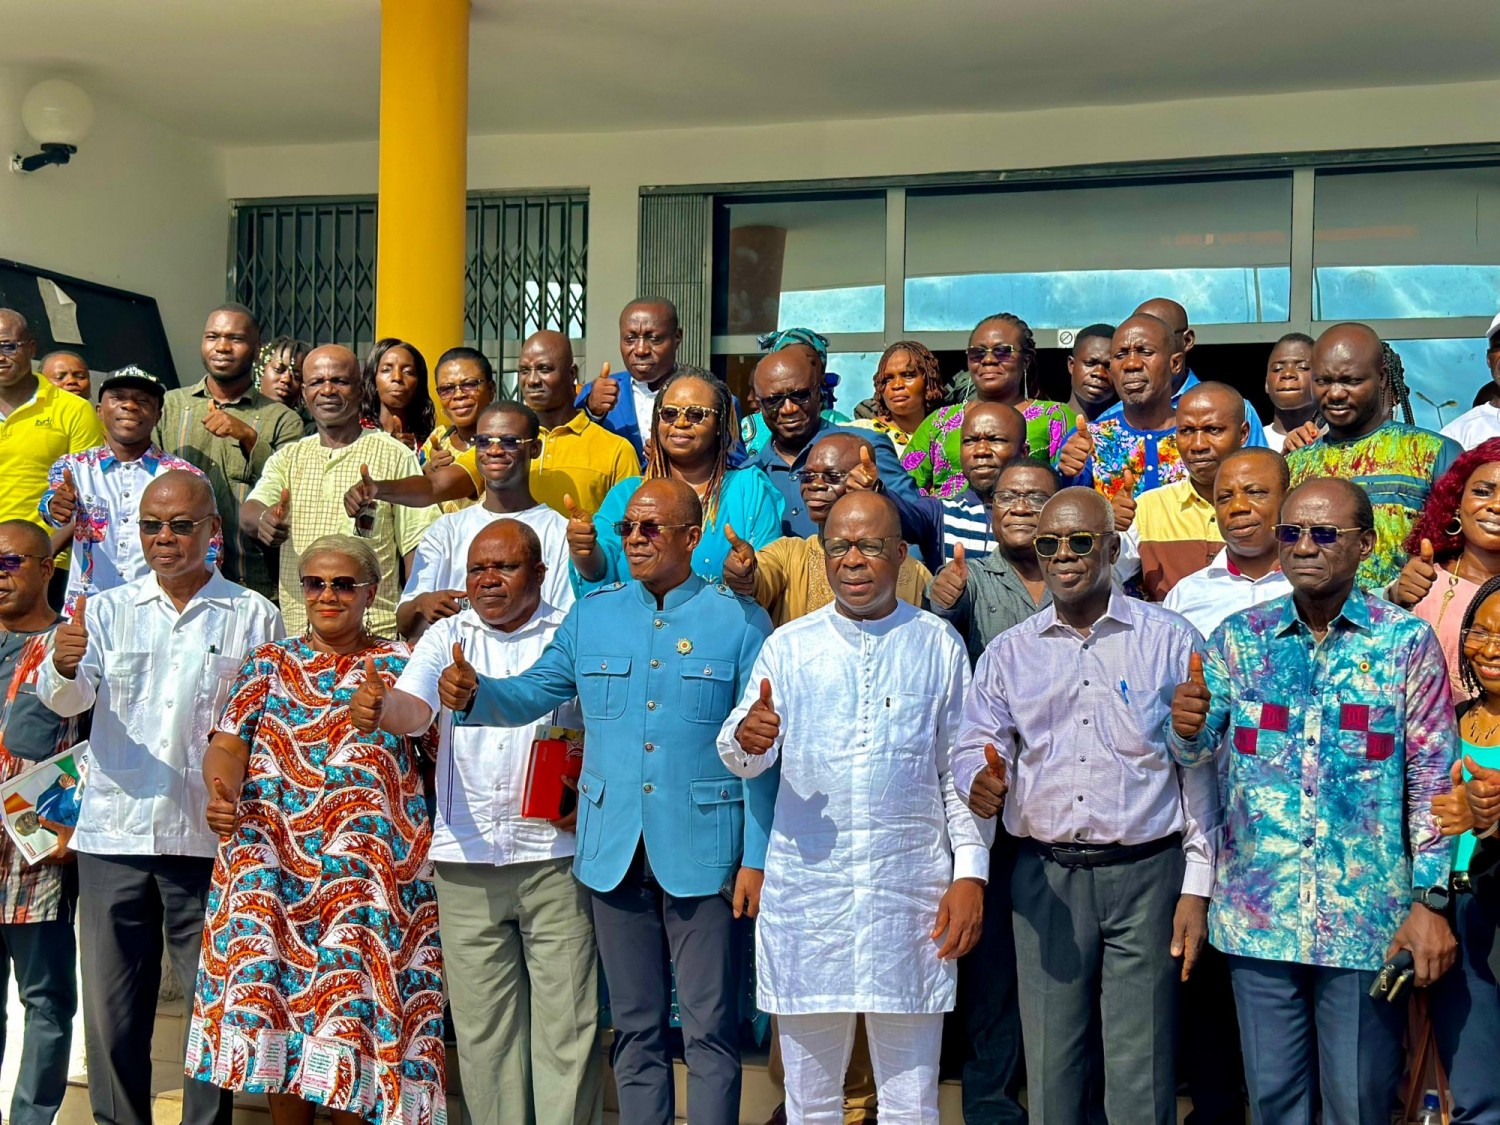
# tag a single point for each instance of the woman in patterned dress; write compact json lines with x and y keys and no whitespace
{"x":321,"y":972}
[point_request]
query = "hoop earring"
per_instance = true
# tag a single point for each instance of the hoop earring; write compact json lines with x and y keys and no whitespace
{"x":1456,"y":527}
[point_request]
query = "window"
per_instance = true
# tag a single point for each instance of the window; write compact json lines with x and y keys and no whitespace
{"x":1443,"y":376}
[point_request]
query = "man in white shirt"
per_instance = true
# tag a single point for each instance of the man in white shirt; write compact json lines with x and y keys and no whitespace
{"x":518,"y":945}
{"x":155,"y":659}
{"x":1483,"y":421}
{"x":506,"y":438}
{"x":874,"y":878}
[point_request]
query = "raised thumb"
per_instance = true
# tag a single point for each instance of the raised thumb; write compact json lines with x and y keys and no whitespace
{"x":364,"y":474}
{"x":458,"y":655}
{"x":864,"y":456}
{"x":1456,"y":774}
{"x":372,"y":676}
{"x":1195,"y":670}
{"x":604,"y":371}
{"x":285,"y":502}
{"x":1127,"y":484}
{"x":68,"y":478}
{"x":958,"y":556}
{"x":79,"y":607}
{"x":734,"y":540}
{"x":765,"y":692}
{"x":220,"y":791}
{"x":1427,"y":551}
{"x":571,"y":506}
{"x":993,"y":760}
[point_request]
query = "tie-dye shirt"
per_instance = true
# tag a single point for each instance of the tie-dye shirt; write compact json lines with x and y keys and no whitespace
{"x":1397,"y":465}
{"x":1119,"y":447}
{"x":1329,"y":755}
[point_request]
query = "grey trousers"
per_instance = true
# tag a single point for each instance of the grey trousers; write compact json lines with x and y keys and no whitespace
{"x":523,"y":983}
{"x":124,"y":902}
{"x":42,"y":955}
{"x":1097,"y":940}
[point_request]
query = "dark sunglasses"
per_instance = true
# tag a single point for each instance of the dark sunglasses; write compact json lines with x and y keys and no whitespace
{"x":179,"y":527}
{"x":649,"y":528}
{"x":468,"y":386}
{"x":1323,"y":534}
{"x":507,"y":443}
{"x":833,"y":477}
{"x":1080,"y":543}
{"x":312,"y":585}
{"x":12,"y":563}
{"x":1001,"y":352}
{"x":693,"y":414}
{"x":772,"y":404}
{"x":871,"y":548}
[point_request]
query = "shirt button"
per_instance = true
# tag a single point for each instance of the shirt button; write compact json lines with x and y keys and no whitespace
{"x":658,"y":622}
{"x":1307,"y":842}
{"x":648,"y":788}
{"x":1081,"y":758}
{"x":650,"y":705}
{"x":604,"y":665}
{"x":650,"y":746}
{"x":656,"y":664}
{"x":1085,"y":722}
{"x":1085,"y":683}
{"x":724,"y":794}
{"x":1080,"y":796}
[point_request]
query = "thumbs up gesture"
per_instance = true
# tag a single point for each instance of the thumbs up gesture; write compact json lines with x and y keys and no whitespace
{"x":1190,"y":701}
{"x":221,"y":423}
{"x":367,"y":702}
{"x":865,"y":476}
{"x":1451,"y":810}
{"x":220,"y":813}
{"x":949,"y":584}
{"x":275,"y":523}
{"x":604,"y":392}
{"x":739,"y":564}
{"x":64,"y":502}
{"x":759,"y":729}
{"x":987,"y":793}
{"x":367,"y":491}
{"x":1483,"y":791}
{"x":1123,"y":502}
{"x":71,"y":641}
{"x":458,"y":683}
{"x":1076,"y":451}
{"x":1417,"y":577}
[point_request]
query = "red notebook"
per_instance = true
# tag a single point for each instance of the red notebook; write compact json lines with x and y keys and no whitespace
{"x":556,"y":753}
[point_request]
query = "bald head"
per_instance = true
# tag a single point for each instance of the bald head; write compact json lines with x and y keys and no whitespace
{"x":333,"y":386}
{"x":661,"y":558}
{"x":791,"y":362}
{"x":180,"y":488}
{"x":1262,"y":463}
{"x":1159,"y":330}
{"x":554,"y":345}
{"x":867,"y":513}
{"x":1348,"y":376}
{"x":1076,"y":547}
{"x":788,"y":384}
{"x":335,"y":355}
{"x":17,"y":382}
{"x":14,"y":324}
{"x":1166,"y":310}
{"x":991,"y":437}
{"x":863,"y":554}
{"x":674,"y":500}
{"x":839,"y":451}
{"x":512,"y":535}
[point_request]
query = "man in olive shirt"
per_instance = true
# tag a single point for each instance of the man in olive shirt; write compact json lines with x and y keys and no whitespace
{"x":227,"y":428}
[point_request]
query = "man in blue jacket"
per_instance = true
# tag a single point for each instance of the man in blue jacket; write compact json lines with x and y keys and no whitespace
{"x":649,"y":338}
{"x":670,"y":843}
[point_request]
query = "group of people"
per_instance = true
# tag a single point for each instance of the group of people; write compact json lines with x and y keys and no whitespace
{"x":1137,"y":733}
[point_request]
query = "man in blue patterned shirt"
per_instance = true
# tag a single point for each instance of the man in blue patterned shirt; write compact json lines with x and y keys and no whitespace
{"x":1331,"y":715}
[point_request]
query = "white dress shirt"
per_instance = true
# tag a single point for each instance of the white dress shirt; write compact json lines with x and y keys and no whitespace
{"x":1474,"y":426}
{"x":441,"y":561}
{"x":481,"y":771}
{"x":1207,"y":596}
{"x":869,"y":831}
{"x":156,"y":680}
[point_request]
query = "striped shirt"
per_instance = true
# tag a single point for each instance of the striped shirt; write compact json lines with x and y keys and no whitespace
{"x":966,"y":520}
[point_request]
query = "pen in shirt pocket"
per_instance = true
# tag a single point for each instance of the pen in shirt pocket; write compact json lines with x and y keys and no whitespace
{"x":1125,"y":692}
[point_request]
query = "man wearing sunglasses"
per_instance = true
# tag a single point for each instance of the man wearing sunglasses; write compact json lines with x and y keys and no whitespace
{"x":155,"y":659}
{"x":1065,"y":729}
{"x":1329,"y":712}
{"x":670,"y":843}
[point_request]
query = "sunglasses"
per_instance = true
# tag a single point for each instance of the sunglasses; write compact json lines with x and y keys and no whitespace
{"x":649,"y":528}
{"x":832,"y":477}
{"x":468,"y":386}
{"x":1026,"y":501}
{"x":179,"y":527}
{"x":871,"y":548}
{"x":772,"y":404}
{"x":9,"y":564}
{"x":1001,"y":352}
{"x":693,"y":414}
{"x":507,"y":443}
{"x":313,"y":586}
{"x":1323,"y":534}
{"x":1080,"y":543}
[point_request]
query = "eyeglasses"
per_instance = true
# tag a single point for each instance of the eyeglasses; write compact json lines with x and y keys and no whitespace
{"x":1479,"y":638}
{"x":831,"y":477}
{"x":468,"y":386}
{"x":772,"y":404}
{"x":11,"y":347}
{"x":1080,"y":543}
{"x":313,"y":586}
{"x":9,"y":564}
{"x":1027,"y":501}
{"x":871,"y":548}
{"x":649,"y":528}
{"x":1001,"y":352}
{"x":508,"y":443}
{"x":179,"y":527}
{"x":1323,"y":534}
{"x":693,"y":414}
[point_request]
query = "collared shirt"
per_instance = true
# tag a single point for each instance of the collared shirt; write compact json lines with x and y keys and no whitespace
{"x":791,"y":578}
{"x":1474,"y":427}
{"x":1257,"y":436}
{"x":1397,"y":465}
{"x":966,"y":520}
{"x":1175,"y":533}
{"x":107,"y":548}
{"x":994,"y":600}
{"x":1081,"y":724}
{"x":1334,"y":751}
{"x":442,"y":558}
{"x":582,"y":460}
{"x":1119,"y":447}
{"x":156,"y":679}
{"x":181,"y":431}
{"x":1208,"y":596}
{"x":481,"y":771}
{"x":33,"y":436}
{"x":318,"y":476}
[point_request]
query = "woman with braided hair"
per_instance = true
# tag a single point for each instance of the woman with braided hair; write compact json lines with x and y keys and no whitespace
{"x":909,"y":385}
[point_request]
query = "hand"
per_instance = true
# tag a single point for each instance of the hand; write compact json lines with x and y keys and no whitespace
{"x":987,"y":792}
{"x":1189,"y":930}
{"x":864,"y":477}
{"x":439,"y":457}
{"x":961,"y":916}
{"x":739,"y":564}
{"x":1190,"y":701}
{"x":1305,"y":434}
{"x":275,"y":523}
{"x":365,"y":492}
{"x":949,"y":584}
{"x":71,"y":641}
{"x":1429,"y":937}
{"x":1123,"y":502}
{"x":1483,"y":791}
{"x":1451,"y":810}
{"x":604,"y":392}
{"x":1416,"y":579}
{"x":747,"y":886}
{"x":568,"y":823}
{"x":438,"y":604}
{"x":221,"y":423}
{"x":221,"y":810}
{"x":64,"y":502}
{"x":62,"y":854}
{"x":367,"y":702}
{"x":458,"y":683}
{"x":761,"y":726}
{"x":1076,"y":451}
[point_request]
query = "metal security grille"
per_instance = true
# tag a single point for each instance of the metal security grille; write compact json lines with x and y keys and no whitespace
{"x":676,"y":262}
{"x":527,"y":269}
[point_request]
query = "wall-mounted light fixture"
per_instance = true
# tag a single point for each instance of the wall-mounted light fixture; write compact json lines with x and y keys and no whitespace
{"x":57,"y":113}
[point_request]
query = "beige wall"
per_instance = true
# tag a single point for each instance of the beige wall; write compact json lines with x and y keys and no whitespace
{"x":613,"y":166}
{"x":139,"y":207}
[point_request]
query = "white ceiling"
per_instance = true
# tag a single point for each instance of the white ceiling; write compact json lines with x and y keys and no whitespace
{"x":284,"y":71}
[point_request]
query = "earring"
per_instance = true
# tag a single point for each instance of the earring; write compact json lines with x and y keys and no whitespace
{"x":1456,"y":527}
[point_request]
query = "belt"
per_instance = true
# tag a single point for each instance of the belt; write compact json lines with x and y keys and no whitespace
{"x":1103,"y":855}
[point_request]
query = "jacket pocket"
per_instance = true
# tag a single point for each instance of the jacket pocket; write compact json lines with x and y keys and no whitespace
{"x":707,"y":689}
{"x":590,"y":814}
{"x":717,"y":825}
{"x":603,"y":684}
{"x":1260,"y":730}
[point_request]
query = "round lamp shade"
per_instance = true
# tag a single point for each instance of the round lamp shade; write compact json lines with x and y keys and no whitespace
{"x":57,"y":112}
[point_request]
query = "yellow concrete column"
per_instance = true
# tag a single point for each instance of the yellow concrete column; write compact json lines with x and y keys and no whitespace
{"x":424,"y":131}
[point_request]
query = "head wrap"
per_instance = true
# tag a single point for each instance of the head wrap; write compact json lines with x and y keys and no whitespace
{"x":786,"y":337}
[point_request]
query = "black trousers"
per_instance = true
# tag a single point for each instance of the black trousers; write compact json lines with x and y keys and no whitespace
{"x":987,"y":1005}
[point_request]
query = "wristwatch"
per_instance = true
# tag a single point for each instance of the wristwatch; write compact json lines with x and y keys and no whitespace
{"x":1434,"y":898}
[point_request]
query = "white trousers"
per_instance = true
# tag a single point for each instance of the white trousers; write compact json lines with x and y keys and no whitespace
{"x":904,"y":1050}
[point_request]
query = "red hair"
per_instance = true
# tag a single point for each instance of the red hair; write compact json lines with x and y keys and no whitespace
{"x":1442,"y":503}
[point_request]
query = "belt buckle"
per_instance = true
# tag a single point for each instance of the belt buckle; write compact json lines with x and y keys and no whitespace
{"x":1080,"y":856}
{"x":1461,"y":883}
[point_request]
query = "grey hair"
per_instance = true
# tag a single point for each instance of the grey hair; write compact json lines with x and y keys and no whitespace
{"x":356,"y":550}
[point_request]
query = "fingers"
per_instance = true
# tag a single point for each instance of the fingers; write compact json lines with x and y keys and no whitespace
{"x":1456,"y":775}
{"x":604,"y":372}
{"x":371,"y":675}
{"x":1427,"y":551}
{"x":1128,"y":482}
{"x":283,"y":505}
{"x":459,"y":659}
{"x":958,"y":556}
{"x":1195,"y":670}
{"x":364,"y":475}
{"x":68,"y":478}
{"x":221,"y":791}
{"x":735,"y":542}
{"x":942,"y":921}
{"x":765,"y":692}
{"x":993,"y":761}
{"x":865,"y":458}
{"x":79,"y":608}
{"x":575,"y":513}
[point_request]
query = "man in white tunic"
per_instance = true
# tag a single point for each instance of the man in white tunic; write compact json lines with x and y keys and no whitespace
{"x":875,"y":872}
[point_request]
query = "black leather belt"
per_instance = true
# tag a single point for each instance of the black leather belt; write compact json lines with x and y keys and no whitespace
{"x":1103,"y":855}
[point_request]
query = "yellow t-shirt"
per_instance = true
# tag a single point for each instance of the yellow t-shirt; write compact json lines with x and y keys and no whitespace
{"x":35,"y":435}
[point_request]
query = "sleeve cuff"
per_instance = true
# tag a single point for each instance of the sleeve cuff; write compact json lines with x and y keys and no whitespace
{"x":971,"y":861}
{"x":963,"y":777}
{"x":1198,"y":879}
